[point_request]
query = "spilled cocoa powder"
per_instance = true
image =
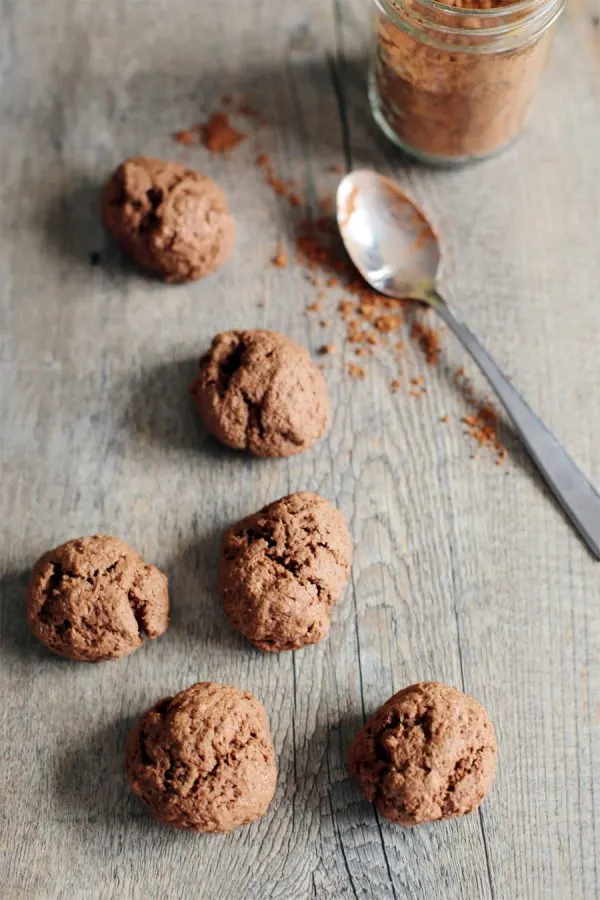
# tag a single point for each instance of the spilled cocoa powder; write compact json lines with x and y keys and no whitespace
{"x":280,"y":258}
{"x":186,"y":137}
{"x":217,"y":134}
{"x":356,"y":371}
{"x":371,"y":320}
{"x":428,"y":340}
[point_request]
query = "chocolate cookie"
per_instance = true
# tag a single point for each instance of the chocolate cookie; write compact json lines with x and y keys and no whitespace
{"x":282,"y":571}
{"x":429,"y":753}
{"x":203,"y":760}
{"x":173,"y":221}
{"x":94,"y":598}
{"x":260,"y":391}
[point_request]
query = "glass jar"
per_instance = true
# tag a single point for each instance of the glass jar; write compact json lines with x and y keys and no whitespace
{"x":452,"y":84}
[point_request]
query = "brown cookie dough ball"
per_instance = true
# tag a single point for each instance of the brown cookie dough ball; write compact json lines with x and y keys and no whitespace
{"x":260,"y":391}
{"x":204,"y":759}
{"x":429,"y":753}
{"x":173,"y":221}
{"x":282,"y":571}
{"x":94,"y":598}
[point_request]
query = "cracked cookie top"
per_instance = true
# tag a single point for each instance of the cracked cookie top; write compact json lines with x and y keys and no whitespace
{"x":282,"y":571}
{"x":94,"y":598}
{"x":204,"y":759}
{"x":260,"y":391}
{"x":429,"y":753}
{"x":174,"y":222}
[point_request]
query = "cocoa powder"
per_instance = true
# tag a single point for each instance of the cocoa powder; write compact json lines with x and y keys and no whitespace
{"x":458,"y":97}
{"x":218,"y":134}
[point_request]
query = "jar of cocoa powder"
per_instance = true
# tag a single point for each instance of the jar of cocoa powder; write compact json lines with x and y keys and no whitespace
{"x":451,"y":83}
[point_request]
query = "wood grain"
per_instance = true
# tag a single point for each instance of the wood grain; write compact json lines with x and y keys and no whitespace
{"x":462,"y":573}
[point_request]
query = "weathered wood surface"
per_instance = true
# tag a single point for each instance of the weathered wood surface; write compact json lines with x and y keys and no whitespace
{"x":461,"y":574}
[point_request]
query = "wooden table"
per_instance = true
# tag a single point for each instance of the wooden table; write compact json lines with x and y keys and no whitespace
{"x":465,"y":572}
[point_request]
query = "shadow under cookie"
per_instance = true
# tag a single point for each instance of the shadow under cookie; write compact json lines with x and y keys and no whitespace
{"x":160,"y":410}
{"x":72,"y":227}
{"x":89,"y":778}
{"x":16,"y":640}
{"x":197,"y":614}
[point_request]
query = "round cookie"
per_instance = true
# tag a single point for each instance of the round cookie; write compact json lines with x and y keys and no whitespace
{"x":94,"y":598}
{"x":173,"y":221}
{"x":260,"y":391}
{"x":427,"y":754}
{"x":282,"y":571}
{"x":204,"y":759}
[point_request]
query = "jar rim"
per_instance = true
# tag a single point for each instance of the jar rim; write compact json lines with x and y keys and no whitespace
{"x":461,"y":11}
{"x":519,"y":23}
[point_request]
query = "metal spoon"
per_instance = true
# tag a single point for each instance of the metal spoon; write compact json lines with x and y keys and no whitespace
{"x":396,"y":250}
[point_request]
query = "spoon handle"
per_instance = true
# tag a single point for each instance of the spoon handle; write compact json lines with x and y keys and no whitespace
{"x":572,"y":489}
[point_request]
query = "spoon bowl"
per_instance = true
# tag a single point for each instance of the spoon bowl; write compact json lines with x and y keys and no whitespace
{"x":397,"y":252}
{"x":387,"y":237}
